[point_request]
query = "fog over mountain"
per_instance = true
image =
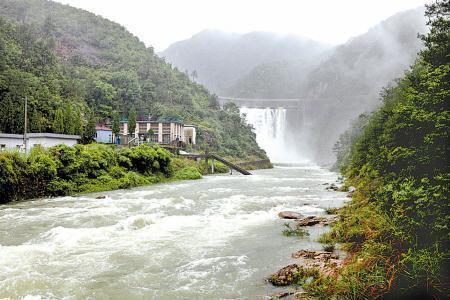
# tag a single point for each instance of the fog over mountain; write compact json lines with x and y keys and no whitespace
{"x":350,"y":80}
{"x":344,"y":81}
{"x":221,"y":59}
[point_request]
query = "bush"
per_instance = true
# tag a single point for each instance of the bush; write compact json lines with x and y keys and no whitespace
{"x":64,"y":170}
{"x":12,"y":171}
{"x":188,"y":173}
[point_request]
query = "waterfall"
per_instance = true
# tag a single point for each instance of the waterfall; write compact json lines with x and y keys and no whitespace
{"x":274,"y":134}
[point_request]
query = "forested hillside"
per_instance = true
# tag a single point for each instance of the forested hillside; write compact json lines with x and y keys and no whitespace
{"x":397,"y":225}
{"x":220,"y":59}
{"x":77,"y":67}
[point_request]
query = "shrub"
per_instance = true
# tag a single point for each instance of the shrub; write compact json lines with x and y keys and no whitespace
{"x":188,"y":173}
{"x":12,"y":170}
{"x":117,"y":172}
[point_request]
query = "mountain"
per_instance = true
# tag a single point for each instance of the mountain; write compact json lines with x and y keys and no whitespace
{"x":350,"y":80}
{"x":339,"y":83}
{"x":67,"y":60}
{"x":222,"y":59}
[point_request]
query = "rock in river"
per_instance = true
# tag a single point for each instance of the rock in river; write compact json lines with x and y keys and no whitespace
{"x":290,"y":215}
{"x":314,"y":220}
{"x":285,"y":276}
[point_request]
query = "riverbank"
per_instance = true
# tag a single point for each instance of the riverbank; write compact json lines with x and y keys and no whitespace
{"x":62,"y":170}
{"x":378,"y":261}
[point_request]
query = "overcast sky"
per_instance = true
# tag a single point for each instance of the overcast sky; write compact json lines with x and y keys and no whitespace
{"x":161,"y":22}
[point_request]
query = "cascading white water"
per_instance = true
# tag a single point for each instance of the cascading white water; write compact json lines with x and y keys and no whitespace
{"x":272,"y":134}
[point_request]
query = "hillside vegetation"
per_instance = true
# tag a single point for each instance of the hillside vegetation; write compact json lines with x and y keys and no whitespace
{"x":77,"y":68}
{"x":397,"y":226}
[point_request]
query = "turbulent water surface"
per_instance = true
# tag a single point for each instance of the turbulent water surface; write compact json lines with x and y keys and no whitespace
{"x":214,"y":238}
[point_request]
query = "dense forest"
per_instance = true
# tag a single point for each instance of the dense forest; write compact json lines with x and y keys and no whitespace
{"x":397,"y":225}
{"x":77,"y":69}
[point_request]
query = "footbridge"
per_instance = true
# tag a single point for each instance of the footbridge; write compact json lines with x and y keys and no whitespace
{"x":213,"y":157}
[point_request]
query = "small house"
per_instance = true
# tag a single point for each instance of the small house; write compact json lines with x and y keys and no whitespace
{"x":103,"y":134}
{"x":16,"y":141}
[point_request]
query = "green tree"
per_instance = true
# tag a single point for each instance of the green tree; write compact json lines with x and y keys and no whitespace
{"x":116,"y":124}
{"x":89,"y":131}
{"x":78,"y":121}
{"x":132,"y":118}
{"x":36,"y":122}
{"x":58,"y":121}
{"x":69,"y":120}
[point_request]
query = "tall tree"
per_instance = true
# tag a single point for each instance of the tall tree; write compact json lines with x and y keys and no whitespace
{"x":58,"y":121}
{"x":89,"y":132}
{"x":36,"y":124}
{"x":69,"y":118}
{"x":132,"y":118}
{"x":116,"y":124}
{"x":78,"y":122}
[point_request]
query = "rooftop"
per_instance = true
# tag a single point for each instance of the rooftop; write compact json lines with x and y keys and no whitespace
{"x":40,"y":135}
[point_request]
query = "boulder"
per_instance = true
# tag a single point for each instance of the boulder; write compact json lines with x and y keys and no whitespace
{"x":351,"y":189}
{"x":290,"y":215}
{"x":100,"y":197}
{"x":327,"y":263}
{"x":285,"y":276}
{"x":332,"y":187}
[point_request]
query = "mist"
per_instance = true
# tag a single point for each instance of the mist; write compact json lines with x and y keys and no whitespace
{"x":333,"y":84}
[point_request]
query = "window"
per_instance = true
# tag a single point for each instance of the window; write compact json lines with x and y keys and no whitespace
{"x":154,"y":138}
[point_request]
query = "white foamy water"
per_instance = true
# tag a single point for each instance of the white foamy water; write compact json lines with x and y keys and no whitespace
{"x":214,"y":238}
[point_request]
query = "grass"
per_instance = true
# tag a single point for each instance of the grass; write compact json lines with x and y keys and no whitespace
{"x":289,"y":231}
{"x":329,"y":247}
{"x":332,"y":211}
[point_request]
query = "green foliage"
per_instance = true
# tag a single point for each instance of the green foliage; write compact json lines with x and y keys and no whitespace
{"x":58,"y":122}
{"x":298,"y":231}
{"x":132,"y":118}
{"x":63,"y":170}
{"x":89,"y":132}
{"x":100,"y":66}
{"x":329,"y":247}
{"x":116,"y":123}
{"x":188,"y":173}
{"x":397,"y":226}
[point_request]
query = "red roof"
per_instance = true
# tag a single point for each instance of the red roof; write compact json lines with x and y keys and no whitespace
{"x":102,"y":127}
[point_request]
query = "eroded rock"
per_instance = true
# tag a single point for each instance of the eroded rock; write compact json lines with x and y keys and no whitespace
{"x":291,"y":274}
{"x":285,"y":276}
{"x":315,"y":220}
{"x":327,"y":263}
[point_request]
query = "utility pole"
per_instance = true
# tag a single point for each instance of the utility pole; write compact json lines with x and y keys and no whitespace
{"x":25,"y":124}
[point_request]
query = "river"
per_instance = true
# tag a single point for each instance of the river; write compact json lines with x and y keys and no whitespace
{"x":213,"y":238}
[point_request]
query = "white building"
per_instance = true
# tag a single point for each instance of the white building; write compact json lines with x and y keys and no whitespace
{"x":189,"y":134}
{"x":161,"y":132}
{"x":15,"y":141}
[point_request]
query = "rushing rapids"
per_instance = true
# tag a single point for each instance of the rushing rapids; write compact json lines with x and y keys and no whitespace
{"x":218,"y":237}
